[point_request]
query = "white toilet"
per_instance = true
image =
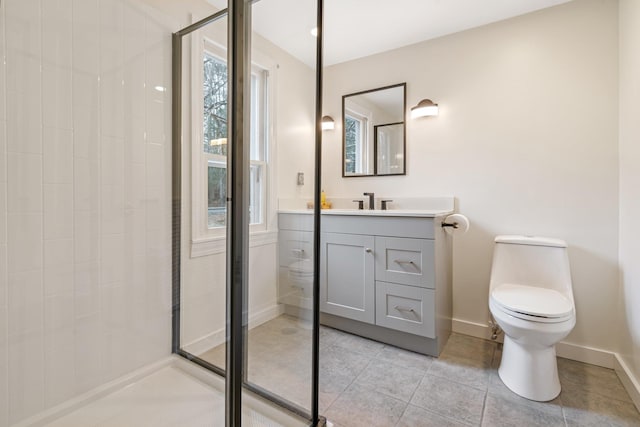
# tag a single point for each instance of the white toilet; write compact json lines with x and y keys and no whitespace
{"x":531,"y":299}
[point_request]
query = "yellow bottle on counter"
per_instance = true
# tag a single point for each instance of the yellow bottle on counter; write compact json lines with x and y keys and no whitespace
{"x":323,"y":199}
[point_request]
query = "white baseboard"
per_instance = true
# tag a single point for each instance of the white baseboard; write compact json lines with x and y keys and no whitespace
{"x":473,"y":329}
{"x":590,"y":355}
{"x":580,"y":353}
{"x":593,"y":356}
{"x":629,"y":381}
{"x":51,"y":414}
{"x":218,"y":337}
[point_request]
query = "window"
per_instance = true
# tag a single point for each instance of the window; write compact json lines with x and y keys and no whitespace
{"x":355,"y":133}
{"x":215,"y":110}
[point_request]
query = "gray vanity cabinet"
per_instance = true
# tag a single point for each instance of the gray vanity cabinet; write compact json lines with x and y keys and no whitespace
{"x":387,"y":277}
{"x":383,"y":276}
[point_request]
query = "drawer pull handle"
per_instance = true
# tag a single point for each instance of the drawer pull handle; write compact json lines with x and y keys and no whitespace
{"x":298,"y":251}
{"x":402,"y":261}
{"x":401,"y":308}
{"x":367,"y":250}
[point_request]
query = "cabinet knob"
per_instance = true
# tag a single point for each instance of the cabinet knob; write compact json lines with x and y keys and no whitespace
{"x":368,"y":250}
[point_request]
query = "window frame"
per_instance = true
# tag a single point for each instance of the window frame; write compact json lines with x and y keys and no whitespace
{"x":362,"y":151}
{"x":205,"y":240}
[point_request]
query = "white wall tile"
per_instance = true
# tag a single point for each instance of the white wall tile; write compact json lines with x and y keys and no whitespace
{"x":59,"y":350}
{"x":111,"y":68}
{"x":112,"y":161}
{"x":86,"y":189}
{"x":112,"y":209}
{"x":86,"y":37}
{"x":111,"y":24}
{"x":135,"y":141}
{"x":88,"y":274}
{"x":156,"y":130}
{"x":135,"y":233}
{"x":26,"y":375}
{"x":25,"y":242}
{"x":158,"y":215}
{"x":58,"y":156}
{"x":86,"y":238}
{"x":112,"y":103}
{"x":57,"y":96}
{"x":3,"y":150}
{"x":57,"y":252}
{"x":24,"y":183}
{"x":58,"y":211}
{"x":88,"y":353}
{"x":86,"y":289}
{"x":4,"y":369}
{"x":135,"y":185}
{"x":59,"y":312}
{"x":57,"y":30}
{"x":3,"y":213}
{"x":26,"y":302}
{"x":86,"y":131}
{"x":155,"y":159}
{"x":3,"y":283}
{"x":134,"y":61}
{"x":58,"y":266}
{"x":24,"y":31}
{"x":24,"y":121}
{"x":3,"y":73}
{"x":112,"y":258}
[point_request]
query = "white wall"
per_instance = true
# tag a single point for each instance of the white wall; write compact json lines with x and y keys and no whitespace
{"x":629,"y":16}
{"x":85,"y":249}
{"x":526,"y":140}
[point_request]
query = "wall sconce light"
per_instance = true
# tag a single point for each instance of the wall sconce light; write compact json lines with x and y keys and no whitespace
{"x":426,"y":107}
{"x":328,"y":123}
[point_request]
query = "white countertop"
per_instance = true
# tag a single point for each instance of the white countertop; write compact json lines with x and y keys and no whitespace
{"x":426,"y":213}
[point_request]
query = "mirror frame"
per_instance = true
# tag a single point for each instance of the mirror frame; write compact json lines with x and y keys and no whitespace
{"x":375,"y":153}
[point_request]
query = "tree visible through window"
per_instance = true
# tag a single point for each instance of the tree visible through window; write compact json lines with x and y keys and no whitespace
{"x":353,"y":142}
{"x":215,"y":132}
{"x":215,"y":138}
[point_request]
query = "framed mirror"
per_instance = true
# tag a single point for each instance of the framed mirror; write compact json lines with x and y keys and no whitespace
{"x":373,"y":132}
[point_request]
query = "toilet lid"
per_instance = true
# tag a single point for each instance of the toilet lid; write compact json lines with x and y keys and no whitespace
{"x":532,"y":300}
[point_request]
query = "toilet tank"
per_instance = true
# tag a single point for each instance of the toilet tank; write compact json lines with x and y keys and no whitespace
{"x":531,"y":261}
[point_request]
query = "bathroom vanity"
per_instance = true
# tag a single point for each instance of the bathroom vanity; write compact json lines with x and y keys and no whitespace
{"x":384,"y":275}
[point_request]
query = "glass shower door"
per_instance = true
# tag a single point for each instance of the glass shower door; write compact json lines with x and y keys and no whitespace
{"x":243,"y":296}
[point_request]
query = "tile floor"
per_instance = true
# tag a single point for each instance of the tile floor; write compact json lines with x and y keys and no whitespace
{"x":366,"y":383}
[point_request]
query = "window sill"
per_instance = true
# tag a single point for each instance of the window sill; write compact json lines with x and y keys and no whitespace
{"x":217,"y":245}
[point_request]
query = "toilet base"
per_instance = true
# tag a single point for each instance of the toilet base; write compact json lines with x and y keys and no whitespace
{"x":530,"y":371}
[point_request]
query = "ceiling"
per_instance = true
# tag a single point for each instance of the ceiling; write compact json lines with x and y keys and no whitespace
{"x":357,"y":28}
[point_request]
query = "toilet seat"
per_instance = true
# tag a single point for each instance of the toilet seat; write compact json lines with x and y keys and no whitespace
{"x":532,"y":303}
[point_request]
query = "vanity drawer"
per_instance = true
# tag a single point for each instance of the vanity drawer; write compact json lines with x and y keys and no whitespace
{"x":292,"y":221}
{"x":406,"y":261}
{"x":294,"y":246}
{"x":406,"y":308}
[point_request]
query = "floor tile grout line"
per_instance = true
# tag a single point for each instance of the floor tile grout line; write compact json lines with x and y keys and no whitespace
{"x":484,"y":408}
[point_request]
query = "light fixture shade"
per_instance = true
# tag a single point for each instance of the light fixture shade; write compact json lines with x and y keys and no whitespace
{"x":426,"y":107}
{"x":328,"y":123}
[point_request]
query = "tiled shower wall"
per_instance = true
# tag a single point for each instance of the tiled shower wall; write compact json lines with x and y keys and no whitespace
{"x":85,"y":244}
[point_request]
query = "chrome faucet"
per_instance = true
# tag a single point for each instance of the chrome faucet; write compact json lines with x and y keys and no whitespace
{"x":372,"y":205}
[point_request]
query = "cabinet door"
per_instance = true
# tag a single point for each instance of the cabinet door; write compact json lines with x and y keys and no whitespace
{"x":347,"y":286}
{"x":406,"y":261}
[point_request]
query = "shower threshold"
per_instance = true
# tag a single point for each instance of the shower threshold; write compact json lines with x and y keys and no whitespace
{"x":174,"y":392}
